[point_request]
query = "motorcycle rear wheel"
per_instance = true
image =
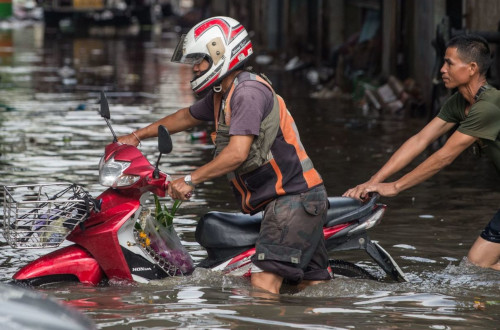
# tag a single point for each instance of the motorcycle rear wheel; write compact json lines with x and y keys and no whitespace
{"x":348,"y":269}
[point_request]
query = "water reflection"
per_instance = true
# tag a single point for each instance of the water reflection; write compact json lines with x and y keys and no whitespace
{"x":50,"y":131}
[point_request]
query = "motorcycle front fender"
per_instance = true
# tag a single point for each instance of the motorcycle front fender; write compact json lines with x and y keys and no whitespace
{"x":70,"y":260}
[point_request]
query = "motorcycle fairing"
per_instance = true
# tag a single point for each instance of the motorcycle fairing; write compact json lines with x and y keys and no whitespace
{"x":241,"y":265}
{"x":142,"y":266}
{"x":217,"y":255}
{"x":142,"y":269}
{"x":101,"y":240}
{"x":68,"y":260}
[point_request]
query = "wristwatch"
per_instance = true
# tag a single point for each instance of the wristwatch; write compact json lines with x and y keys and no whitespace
{"x":187,"y":180}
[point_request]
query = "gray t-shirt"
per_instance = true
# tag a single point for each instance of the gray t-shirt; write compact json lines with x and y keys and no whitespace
{"x":251,"y":102}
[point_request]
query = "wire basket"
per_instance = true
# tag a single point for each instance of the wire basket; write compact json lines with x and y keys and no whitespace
{"x":42,"y":215}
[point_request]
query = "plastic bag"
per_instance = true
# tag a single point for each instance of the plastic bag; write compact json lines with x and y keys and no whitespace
{"x":166,"y":243}
{"x":54,"y":231}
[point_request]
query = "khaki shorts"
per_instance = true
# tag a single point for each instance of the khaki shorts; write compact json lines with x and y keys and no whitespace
{"x":291,"y":242}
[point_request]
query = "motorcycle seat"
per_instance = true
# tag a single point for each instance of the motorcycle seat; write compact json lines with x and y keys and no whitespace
{"x":225,"y":229}
{"x":345,"y":209}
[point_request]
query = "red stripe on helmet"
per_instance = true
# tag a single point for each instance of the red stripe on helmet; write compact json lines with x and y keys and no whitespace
{"x":244,"y":51}
{"x":222,"y":24}
{"x":234,"y":33}
{"x":209,"y":83}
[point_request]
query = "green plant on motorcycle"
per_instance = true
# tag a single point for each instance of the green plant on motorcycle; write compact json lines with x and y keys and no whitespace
{"x":164,"y":216}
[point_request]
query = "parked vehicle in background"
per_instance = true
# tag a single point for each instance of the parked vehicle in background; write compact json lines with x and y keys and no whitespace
{"x":23,"y":308}
{"x":146,"y":12}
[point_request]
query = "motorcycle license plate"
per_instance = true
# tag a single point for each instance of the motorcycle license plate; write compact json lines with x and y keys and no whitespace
{"x":88,"y":4}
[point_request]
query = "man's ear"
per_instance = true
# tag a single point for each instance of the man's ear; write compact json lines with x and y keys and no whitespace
{"x":473,"y":68}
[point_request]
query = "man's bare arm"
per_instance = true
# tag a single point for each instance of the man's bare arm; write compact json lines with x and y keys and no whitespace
{"x":455,"y":145}
{"x":176,"y":122}
{"x":404,"y":155}
{"x":229,"y":159}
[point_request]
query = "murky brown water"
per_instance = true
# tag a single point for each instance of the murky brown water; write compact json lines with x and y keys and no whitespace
{"x":50,"y":132}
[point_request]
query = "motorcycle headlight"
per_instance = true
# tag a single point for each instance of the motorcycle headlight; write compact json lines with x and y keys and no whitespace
{"x":111,"y":173}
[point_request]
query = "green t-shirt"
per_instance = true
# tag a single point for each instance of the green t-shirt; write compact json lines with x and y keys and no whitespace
{"x":482,"y":122}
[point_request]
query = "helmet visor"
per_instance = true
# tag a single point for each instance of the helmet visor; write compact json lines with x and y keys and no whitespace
{"x":180,"y":57}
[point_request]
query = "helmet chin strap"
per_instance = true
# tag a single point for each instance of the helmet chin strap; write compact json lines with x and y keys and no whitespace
{"x":218,"y":88}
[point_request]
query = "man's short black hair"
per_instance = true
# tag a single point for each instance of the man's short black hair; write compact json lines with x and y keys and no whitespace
{"x":472,"y":48}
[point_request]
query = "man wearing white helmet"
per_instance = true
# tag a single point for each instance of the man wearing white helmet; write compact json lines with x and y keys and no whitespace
{"x":257,"y":146}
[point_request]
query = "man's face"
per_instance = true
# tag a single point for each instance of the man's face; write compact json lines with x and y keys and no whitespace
{"x":200,"y":67}
{"x":454,"y":71}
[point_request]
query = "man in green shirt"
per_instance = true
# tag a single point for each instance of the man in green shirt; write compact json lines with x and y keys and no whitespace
{"x":476,"y":109}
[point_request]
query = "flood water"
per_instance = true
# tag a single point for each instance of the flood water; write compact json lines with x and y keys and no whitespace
{"x":51,"y":132}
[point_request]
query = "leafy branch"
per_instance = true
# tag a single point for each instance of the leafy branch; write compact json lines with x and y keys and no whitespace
{"x":164,"y":216}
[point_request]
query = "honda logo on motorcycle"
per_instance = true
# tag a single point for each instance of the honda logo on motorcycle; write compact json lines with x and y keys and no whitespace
{"x":141,"y":269}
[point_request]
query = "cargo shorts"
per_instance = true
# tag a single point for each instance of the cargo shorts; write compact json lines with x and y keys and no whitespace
{"x":291,"y":242}
{"x":492,"y":230}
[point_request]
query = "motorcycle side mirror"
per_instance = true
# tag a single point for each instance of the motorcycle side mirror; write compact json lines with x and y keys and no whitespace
{"x":104,"y":111}
{"x":164,"y":145}
{"x":164,"y":140}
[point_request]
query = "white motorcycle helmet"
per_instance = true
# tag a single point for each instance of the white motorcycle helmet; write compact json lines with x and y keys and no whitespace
{"x":222,"y":41}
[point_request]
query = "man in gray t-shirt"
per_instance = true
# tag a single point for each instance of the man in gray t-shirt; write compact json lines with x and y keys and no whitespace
{"x":258,"y":148}
{"x":251,"y":103}
{"x":476,"y":109}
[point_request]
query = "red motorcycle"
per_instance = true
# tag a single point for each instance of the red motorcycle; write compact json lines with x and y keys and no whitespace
{"x":110,"y":243}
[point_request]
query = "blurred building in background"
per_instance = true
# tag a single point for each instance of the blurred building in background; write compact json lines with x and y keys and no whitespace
{"x":362,"y":40}
{"x":361,"y":47}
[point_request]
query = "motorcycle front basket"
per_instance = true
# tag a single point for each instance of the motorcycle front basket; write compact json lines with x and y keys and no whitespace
{"x":42,"y":215}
